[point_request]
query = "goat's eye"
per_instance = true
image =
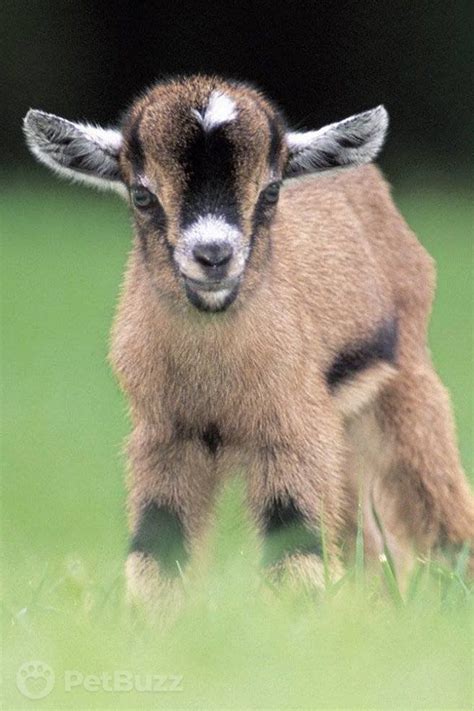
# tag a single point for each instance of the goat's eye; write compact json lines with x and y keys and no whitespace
{"x":271,"y":193}
{"x":142,"y":198}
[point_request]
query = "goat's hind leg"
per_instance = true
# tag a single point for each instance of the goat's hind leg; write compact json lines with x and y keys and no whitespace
{"x":426,"y":481}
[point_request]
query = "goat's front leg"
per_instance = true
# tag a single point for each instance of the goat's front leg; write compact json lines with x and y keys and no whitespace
{"x":171,"y":490}
{"x":296,"y":486}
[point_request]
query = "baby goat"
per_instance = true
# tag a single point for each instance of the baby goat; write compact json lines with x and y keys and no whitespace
{"x":269,"y":324}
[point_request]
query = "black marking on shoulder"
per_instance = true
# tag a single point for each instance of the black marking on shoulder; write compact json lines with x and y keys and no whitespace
{"x":351,"y":361}
{"x":160,"y":534}
{"x":286,"y":532}
{"x":211,"y":438}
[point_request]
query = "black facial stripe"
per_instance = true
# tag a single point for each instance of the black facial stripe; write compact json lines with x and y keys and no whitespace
{"x":208,"y":160}
{"x":135,"y":148}
{"x":276,"y":130}
{"x":160,"y":534}
{"x":286,"y":532}
{"x":275,"y":142}
{"x":382,"y":347}
{"x":142,"y":236}
{"x":152,"y":226}
{"x":263,"y":213}
{"x":211,"y":438}
{"x":157,"y":218}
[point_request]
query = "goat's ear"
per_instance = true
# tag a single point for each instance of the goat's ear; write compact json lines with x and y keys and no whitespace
{"x":76,"y":150}
{"x":354,"y":141}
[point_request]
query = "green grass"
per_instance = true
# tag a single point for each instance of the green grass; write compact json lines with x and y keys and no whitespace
{"x":238,"y":643}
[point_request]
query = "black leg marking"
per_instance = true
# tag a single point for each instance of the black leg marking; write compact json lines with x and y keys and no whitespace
{"x":160,"y":534}
{"x":286,"y":532}
{"x":382,"y":347}
{"x":211,"y":438}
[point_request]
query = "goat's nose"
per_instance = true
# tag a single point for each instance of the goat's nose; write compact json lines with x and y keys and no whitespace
{"x":213,"y":254}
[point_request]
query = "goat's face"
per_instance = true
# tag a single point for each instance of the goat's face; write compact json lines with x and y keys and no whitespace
{"x":202,"y":161}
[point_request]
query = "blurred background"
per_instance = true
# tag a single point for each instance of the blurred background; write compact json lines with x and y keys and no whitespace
{"x":63,"y":252}
{"x":320,"y":60}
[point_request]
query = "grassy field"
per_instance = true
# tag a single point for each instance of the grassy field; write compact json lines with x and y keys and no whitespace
{"x":238,"y":643}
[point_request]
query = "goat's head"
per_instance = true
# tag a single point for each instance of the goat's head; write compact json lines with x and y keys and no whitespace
{"x":202,"y":161}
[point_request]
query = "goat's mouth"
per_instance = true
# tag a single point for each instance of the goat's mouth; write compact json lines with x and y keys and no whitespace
{"x":211,"y":295}
{"x":213,"y":285}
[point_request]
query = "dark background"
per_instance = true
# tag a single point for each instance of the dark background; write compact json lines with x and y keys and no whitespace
{"x":321,"y":61}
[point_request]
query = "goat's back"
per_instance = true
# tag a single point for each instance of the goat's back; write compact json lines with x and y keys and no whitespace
{"x":345,"y":254}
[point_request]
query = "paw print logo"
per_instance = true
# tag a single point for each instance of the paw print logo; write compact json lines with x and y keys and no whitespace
{"x":35,"y":680}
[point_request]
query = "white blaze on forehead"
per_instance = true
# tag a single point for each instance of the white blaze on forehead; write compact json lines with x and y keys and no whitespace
{"x":220,"y":109}
{"x":210,"y":228}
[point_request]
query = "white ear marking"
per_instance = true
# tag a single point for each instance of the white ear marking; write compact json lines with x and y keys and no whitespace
{"x":353,"y":141}
{"x":80,"y":151}
{"x":107,"y":138}
{"x":220,"y":109}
